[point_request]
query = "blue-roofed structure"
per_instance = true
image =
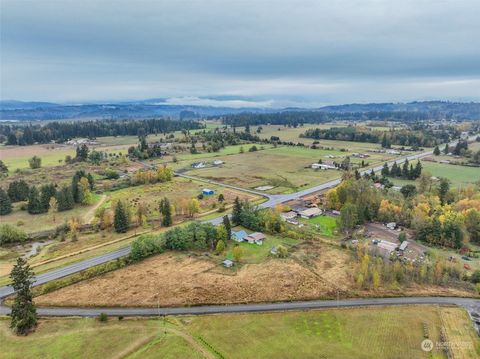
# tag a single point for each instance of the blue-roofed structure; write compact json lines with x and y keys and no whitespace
{"x":208,"y":192}
{"x":239,"y":236}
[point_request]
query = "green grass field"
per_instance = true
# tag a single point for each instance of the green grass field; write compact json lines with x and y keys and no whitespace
{"x":327,"y":225}
{"x":458,"y":175}
{"x":253,"y":253}
{"x":375,"y":332}
{"x":286,"y":168}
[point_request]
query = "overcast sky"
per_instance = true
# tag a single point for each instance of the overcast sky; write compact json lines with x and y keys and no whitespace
{"x":276,"y":53}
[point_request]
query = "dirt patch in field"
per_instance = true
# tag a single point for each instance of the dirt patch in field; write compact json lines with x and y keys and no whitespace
{"x":176,"y":280}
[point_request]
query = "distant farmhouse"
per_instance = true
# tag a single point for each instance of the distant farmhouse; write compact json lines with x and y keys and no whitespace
{"x":198,"y":164}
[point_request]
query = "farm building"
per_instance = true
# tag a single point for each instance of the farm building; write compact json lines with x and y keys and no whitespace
{"x":391,"y":225}
{"x":386,"y":246}
{"x":321,"y":166}
{"x":208,"y":192}
{"x":227,"y":263}
{"x":255,"y":238}
{"x":218,"y":162}
{"x":198,"y":164}
{"x":310,"y":212}
{"x":239,"y":236}
{"x":288,"y":215}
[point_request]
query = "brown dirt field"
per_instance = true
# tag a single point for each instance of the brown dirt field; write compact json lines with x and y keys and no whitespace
{"x":187,"y":280}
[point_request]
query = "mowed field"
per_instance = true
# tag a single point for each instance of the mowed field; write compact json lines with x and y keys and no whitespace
{"x":286,"y":168}
{"x":376,"y":332}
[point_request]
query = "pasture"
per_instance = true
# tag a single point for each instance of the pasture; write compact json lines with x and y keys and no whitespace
{"x":375,"y":332}
{"x":287,"y":168}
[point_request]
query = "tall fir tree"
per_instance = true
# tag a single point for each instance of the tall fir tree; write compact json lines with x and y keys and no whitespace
{"x":34,"y":206}
{"x":65,"y":199}
{"x":47,"y":191}
{"x":18,"y":191}
{"x":166,"y":211}
{"x":436,"y":151}
{"x":406,"y":169}
{"x":5,"y":203}
{"x":228,"y":226}
{"x":120,"y":220}
{"x":237,"y":211}
{"x":385,"y":170}
{"x":24,"y":314}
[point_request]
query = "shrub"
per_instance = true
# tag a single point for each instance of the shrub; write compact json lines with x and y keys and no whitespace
{"x":103,"y":317}
{"x":11,"y":234}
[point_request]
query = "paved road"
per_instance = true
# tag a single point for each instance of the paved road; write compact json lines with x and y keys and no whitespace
{"x":470,"y":304}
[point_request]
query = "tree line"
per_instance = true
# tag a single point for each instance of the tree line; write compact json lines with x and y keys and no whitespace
{"x":61,"y":131}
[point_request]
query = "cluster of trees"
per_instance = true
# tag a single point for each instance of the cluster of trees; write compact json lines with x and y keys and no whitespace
{"x":194,"y":236}
{"x":374,"y":272}
{"x":143,"y":150}
{"x":256,"y":219}
{"x":404,"y":137}
{"x":405,"y":171}
{"x":162,"y":174}
{"x":20,"y":134}
{"x":48,"y":197}
{"x":438,"y":215}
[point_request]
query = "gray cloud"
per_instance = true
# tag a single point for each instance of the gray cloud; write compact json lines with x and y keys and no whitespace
{"x":309,"y":52}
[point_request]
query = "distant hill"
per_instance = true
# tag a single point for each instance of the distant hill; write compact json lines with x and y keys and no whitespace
{"x":30,"y":111}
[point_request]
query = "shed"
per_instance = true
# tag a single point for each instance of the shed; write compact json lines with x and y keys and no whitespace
{"x":217,"y":162}
{"x":239,"y":236}
{"x":403,"y":246}
{"x":208,"y":192}
{"x":227,"y":263}
{"x":288,"y":215}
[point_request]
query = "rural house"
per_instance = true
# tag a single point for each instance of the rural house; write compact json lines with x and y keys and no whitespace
{"x":198,"y":164}
{"x":288,"y":215}
{"x":310,"y":212}
{"x":255,"y":238}
{"x":239,"y":236}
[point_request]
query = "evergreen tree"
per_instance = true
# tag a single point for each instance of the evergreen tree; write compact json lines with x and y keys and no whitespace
{"x":35,"y":162}
{"x":385,"y":170}
{"x":237,"y":212}
{"x":385,"y":141}
{"x":406,"y":169}
{"x":418,"y":170}
{"x":228,"y":226}
{"x":65,"y":199}
{"x":446,"y":149}
{"x":436,"y":151}
{"x":120,"y":220}
{"x":166,"y":211}
{"x":3,"y":168}
{"x":394,"y":170}
{"x":443,"y":189}
{"x":5,"y":204}
{"x":82,"y":153}
{"x":34,"y":206}
{"x":47,"y":191}
{"x":18,"y":191}
{"x":357,"y":175}
{"x":24,"y":314}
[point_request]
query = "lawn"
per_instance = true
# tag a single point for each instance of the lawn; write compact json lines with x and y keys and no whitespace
{"x":374,"y":332}
{"x":327,"y":225}
{"x":254,"y":253}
